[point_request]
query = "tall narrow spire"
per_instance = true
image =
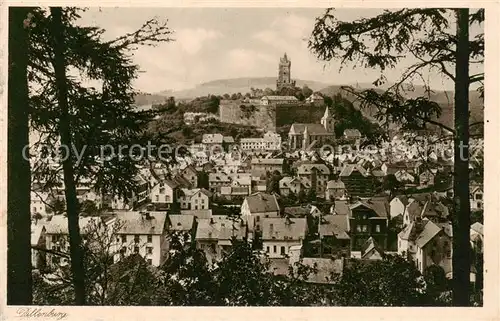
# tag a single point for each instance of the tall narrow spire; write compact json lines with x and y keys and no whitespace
{"x":327,"y":113}
{"x":327,"y":120}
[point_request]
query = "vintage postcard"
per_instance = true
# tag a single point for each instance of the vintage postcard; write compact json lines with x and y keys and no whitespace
{"x":282,"y":158}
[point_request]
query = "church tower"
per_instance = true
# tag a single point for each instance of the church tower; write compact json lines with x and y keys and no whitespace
{"x":284,"y":74}
{"x":327,"y":121}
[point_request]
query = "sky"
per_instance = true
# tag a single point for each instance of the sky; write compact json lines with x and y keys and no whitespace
{"x":221,"y":43}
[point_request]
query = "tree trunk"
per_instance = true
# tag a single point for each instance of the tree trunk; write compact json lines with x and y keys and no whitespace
{"x":19,"y":280}
{"x":75,"y":240}
{"x":461,"y":215}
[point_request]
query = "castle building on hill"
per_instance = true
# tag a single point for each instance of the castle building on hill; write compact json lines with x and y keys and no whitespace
{"x":303,"y":135}
{"x":284,"y":74}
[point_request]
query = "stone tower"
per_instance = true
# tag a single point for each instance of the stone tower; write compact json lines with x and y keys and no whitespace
{"x":327,"y":121}
{"x":284,"y":74}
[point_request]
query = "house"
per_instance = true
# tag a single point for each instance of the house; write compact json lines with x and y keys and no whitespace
{"x":195,"y":199}
{"x":164,"y":194}
{"x":258,"y":206}
{"x":476,"y":198}
{"x":302,"y":211}
{"x":270,"y":142}
{"x":251,"y":144}
{"x":190,"y":174}
{"x":57,"y":237}
{"x":316,"y":99}
{"x":335,"y":189}
{"x":371,"y":250}
{"x":317,"y":174}
{"x":403,"y":176}
{"x":358,"y":181}
{"x":280,"y":100}
{"x":184,"y":226}
{"x":143,"y":233}
{"x":142,"y":193}
{"x":193,"y":118}
{"x":425,"y":205}
{"x":477,"y":237}
{"x":340,"y":207}
{"x":38,"y":201}
{"x":427,"y":243}
{"x":368,"y":218}
{"x":182,"y":182}
{"x":398,"y":205}
{"x":214,"y":234}
{"x":115,"y":202}
{"x":234,"y":192}
{"x":281,"y":233}
{"x":294,"y":185}
{"x":261,"y":166}
{"x":241,"y":183}
{"x":38,"y":239}
{"x":426,"y":178}
{"x":333,"y":231}
{"x":217,"y":180}
{"x":212,"y":139}
{"x":352,"y":135}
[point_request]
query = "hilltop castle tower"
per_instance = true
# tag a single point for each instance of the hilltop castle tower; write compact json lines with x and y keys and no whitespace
{"x":284,"y":74}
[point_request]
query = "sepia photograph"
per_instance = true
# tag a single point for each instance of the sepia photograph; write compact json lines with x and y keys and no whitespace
{"x":245,"y":157}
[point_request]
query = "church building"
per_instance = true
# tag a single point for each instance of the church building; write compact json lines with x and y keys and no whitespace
{"x":303,"y":135}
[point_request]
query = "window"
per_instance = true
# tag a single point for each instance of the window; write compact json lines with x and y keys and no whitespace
{"x":267,"y":249}
{"x":162,"y":190}
{"x":274,"y":249}
{"x":479,"y":196}
{"x":149,"y":250}
{"x":150,"y":262}
{"x":479,"y":205}
{"x":150,"y":238}
{"x":448,"y":254}
{"x":136,"y":238}
{"x":358,"y":228}
{"x":124,"y":238}
{"x":157,"y":197}
{"x":365,"y":228}
{"x":257,"y":218}
{"x":377,"y":228}
{"x":282,"y":250}
{"x":136,"y":249}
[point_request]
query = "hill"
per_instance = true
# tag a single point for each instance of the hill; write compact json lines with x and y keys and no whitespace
{"x":221,"y":87}
{"x":443,"y":98}
{"x":145,"y":99}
